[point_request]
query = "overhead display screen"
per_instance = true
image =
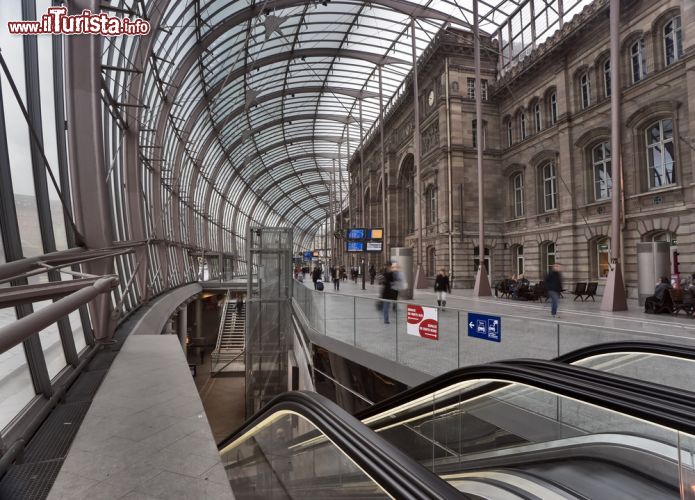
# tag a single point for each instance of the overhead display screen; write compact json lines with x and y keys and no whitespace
{"x":375,"y":246}
{"x":355,"y":234}
{"x":375,"y":234}
{"x":355,"y":246}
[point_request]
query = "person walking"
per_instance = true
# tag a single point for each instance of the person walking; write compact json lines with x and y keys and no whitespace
{"x":442,"y":287}
{"x":335,"y":276}
{"x":239,"y":304}
{"x":387,"y":291}
{"x":316,"y":275}
{"x":553,"y":284}
{"x":372,"y":274}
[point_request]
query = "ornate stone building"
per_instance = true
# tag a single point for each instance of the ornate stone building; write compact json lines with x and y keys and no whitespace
{"x":547,"y":159}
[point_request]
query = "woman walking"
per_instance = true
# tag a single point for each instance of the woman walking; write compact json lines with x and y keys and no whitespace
{"x":442,"y":287}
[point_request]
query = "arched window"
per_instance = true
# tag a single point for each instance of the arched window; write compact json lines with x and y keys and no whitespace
{"x":661,"y":161}
{"x":607,"y":78}
{"x":517,"y":188}
{"x":673,"y":40}
{"x":518,"y":259}
{"x":537,"y":117}
{"x":522,"y":125}
{"x":549,"y":179}
{"x":548,"y":256}
{"x":431,"y":205}
{"x":585,"y":90}
{"x":638,"y":61}
{"x":431,"y":261}
{"x":601,"y":163}
{"x":510,"y":134}
{"x":553,"y":108}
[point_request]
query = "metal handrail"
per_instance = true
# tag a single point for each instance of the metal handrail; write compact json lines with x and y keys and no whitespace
{"x":15,"y":333}
{"x":222,"y":321}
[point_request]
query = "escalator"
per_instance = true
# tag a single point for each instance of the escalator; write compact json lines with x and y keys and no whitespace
{"x":517,"y":429}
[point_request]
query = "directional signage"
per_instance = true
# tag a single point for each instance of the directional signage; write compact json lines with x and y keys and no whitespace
{"x":485,"y":327}
{"x":308,"y":256}
{"x":422,"y":321}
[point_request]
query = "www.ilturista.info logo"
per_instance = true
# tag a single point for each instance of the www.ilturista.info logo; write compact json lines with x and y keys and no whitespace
{"x":57,"y":22}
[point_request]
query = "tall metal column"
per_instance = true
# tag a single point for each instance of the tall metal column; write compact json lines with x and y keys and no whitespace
{"x":341,"y":249}
{"x":362,"y":214}
{"x":384,"y":210}
{"x":482,"y":284}
{"x":88,"y":175}
{"x":419,"y":272}
{"x":614,"y":293}
{"x":199,"y":316}
{"x":331,"y":214}
{"x":347,"y":167}
{"x":449,"y":173}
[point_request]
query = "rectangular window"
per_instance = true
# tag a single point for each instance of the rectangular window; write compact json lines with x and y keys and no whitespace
{"x":607,"y":78}
{"x":471,"y":88}
{"x":537,"y":117}
{"x":510,"y":135}
{"x":553,"y":108}
{"x":518,"y":187}
{"x":661,"y":162}
{"x":602,"y":258}
{"x":638,"y":61}
{"x":601,"y":159}
{"x":549,"y":187}
{"x":585,"y":90}
{"x":522,"y":120}
{"x":519,"y":260}
{"x":673,"y":40}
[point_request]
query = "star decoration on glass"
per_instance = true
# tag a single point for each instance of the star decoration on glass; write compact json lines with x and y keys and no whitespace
{"x":251,"y":96}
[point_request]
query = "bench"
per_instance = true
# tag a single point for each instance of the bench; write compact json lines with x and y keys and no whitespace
{"x":665,"y":305}
{"x":579,"y":290}
{"x":683,"y":300}
{"x":591,"y":289}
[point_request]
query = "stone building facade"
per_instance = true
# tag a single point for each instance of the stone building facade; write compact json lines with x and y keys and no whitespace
{"x":547,"y":164}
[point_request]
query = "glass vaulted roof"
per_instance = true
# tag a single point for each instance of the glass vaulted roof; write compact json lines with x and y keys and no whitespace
{"x":248,"y":110}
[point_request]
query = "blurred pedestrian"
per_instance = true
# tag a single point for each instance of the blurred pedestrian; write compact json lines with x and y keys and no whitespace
{"x":387,"y":291}
{"x":442,"y":287}
{"x":553,"y":284}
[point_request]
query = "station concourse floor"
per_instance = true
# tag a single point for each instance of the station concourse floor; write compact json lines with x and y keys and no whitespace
{"x":580,"y":322}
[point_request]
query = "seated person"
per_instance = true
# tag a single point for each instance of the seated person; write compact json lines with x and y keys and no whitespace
{"x":522,"y":288}
{"x":661,"y":286}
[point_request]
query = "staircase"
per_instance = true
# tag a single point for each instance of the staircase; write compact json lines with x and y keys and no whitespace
{"x":228,"y":357}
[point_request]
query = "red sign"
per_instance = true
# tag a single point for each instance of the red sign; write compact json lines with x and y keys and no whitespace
{"x":422,"y":322}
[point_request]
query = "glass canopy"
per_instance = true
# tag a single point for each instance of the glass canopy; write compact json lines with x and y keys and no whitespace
{"x":248,"y":111}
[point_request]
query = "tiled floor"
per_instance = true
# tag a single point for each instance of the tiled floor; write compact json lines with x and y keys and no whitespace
{"x":146,"y":434}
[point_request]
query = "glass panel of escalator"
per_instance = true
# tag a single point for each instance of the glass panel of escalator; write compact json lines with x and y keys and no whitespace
{"x":656,"y":368}
{"x":516,"y":436}
{"x":287,"y":457}
{"x":686,"y":444}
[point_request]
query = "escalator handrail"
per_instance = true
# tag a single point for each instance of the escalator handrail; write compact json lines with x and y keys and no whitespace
{"x":393,"y":470}
{"x":673,"y":350}
{"x":442,"y":381}
{"x":645,"y":389}
{"x":589,"y":391}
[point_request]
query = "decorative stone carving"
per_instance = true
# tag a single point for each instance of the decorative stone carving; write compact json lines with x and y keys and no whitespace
{"x":430,"y":138}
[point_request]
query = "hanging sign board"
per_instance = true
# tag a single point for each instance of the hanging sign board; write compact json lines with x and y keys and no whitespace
{"x":422,"y":322}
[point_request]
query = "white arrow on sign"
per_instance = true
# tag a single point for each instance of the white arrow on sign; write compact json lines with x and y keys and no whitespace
{"x":471,"y":324}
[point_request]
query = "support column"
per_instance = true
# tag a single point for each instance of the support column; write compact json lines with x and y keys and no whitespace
{"x":482,"y":284}
{"x":449,"y":172}
{"x":362,"y":215}
{"x":614,"y":293}
{"x":384,"y":210}
{"x":183,"y":324}
{"x":92,"y":208}
{"x":198,"y":317}
{"x":419,"y":271}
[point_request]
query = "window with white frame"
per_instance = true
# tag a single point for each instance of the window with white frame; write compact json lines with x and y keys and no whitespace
{"x":548,"y":256}
{"x":518,"y":259}
{"x":431,"y":205}
{"x":601,"y":162}
{"x":638,"y":61}
{"x":471,"y":88}
{"x":518,"y":195}
{"x":585,"y":90}
{"x":607,"y":78}
{"x":549,"y":186}
{"x":510,"y":134}
{"x":673,"y":40}
{"x":661,"y":162}
{"x":522,"y":125}
{"x":553,"y":108}
{"x":537,"y":117}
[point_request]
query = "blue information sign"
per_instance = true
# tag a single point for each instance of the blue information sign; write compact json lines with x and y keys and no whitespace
{"x":485,"y":327}
{"x":355,"y":234}
{"x":308,"y":256}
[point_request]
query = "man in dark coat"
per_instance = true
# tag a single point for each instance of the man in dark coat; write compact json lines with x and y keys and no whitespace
{"x":553,"y":284}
